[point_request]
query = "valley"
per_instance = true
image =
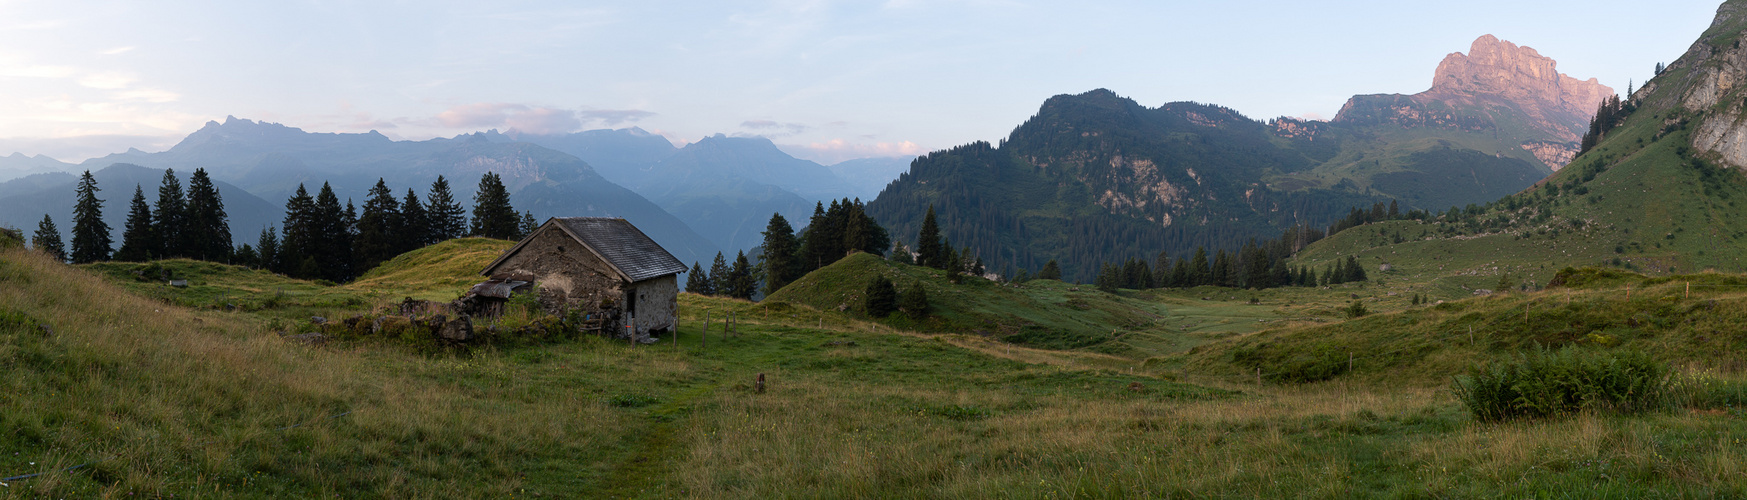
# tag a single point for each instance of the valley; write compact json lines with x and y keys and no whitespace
{"x":1512,"y":284}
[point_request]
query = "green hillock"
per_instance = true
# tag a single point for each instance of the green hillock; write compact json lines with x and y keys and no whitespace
{"x":1688,"y":320}
{"x":1045,"y":313}
{"x":439,"y":272}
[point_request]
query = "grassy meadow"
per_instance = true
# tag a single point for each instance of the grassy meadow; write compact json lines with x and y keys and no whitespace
{"x":160,"y":394}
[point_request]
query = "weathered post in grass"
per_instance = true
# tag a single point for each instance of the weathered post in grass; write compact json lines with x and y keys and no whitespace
{"x":1689,"y":289}
{"x":761,"y":383}
{"x":1349,"y":361}
{"x":631,"y":328}
{"x":1258,"y":376}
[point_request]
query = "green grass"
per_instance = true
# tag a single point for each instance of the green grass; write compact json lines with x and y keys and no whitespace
{"x":200,"y":402}
{"x":439,"y":272}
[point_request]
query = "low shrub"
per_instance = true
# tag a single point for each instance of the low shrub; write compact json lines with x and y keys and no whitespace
{"x":1547,"y":383}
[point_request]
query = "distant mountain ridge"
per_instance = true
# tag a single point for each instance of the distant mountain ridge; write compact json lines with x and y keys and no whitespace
{"x":1096,"y":178}
{"x":724,"y":187}
{"x":270,"y":160}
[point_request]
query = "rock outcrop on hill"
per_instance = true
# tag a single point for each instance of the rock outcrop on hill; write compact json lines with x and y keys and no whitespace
{"x":1496,"y":85}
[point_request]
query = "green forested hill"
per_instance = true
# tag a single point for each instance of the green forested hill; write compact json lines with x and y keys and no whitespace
{"x":1096,"y":177}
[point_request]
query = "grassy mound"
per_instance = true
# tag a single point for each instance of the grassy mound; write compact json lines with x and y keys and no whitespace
{"x":1688,"y":319}
{"x":441,"y":271}
{"x":1044,"y":313}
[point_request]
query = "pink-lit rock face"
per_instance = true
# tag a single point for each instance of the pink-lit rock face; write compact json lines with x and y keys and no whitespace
{"x":1497,"y":85}
{"x":1495,"y":68}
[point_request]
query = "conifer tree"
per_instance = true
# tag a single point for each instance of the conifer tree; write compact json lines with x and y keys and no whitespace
{"x":719,"y":279}
{"x":48,"y":239}
{"x":1200,"y":273}
{"x":1222,"y":270}
{"x":699,"y":281}
{"x":379,"y":228}
{"x":447,"y":219}
{"x":303,"y":235}
{"x":914,"y":301}
{"x":928,"y":248}
{"x":780,"y":247}
{"x":1180,"y":276}
{"x":492,"y":215}
{"x":170,"y":217}
{"x":137,"y":242}
{"x":881,"y":298}
{"x":741,"y":284}
{"x":206,"y":232}
{"x":415,"y":225}
{"x":90,"y":234}
{"x":331,"y":252}
{"x":901,"y":254}
{"x":526,"y":225}
{"x":1050,"y":271}
{"x":268,"y":253}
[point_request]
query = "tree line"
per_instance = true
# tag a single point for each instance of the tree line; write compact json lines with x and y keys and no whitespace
{"x":831,"y":234}
{"x":319,"y":238}
{"x":182,"y":224}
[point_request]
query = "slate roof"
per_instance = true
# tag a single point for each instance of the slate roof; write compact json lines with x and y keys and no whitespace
{"x":621,"y":244}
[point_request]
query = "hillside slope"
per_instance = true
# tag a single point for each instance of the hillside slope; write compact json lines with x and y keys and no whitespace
{"x":1657,"y":194}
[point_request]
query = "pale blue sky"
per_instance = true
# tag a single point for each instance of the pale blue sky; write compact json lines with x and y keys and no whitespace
{"x":829,"y":80}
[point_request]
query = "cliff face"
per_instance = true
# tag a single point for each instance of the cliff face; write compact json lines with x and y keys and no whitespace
{"x":1708,"y":84}
{"x":1496,"y":82}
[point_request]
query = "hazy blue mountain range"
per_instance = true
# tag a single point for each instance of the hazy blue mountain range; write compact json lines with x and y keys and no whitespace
{"x":270,"y":160}
{"x":724,"y":187}
{"x":867,"y":176}
{"x":24,"y":201}
{"x":18,"y":165}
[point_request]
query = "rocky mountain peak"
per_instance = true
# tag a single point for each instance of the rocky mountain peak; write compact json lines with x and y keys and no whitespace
{"x":1519,"y":74}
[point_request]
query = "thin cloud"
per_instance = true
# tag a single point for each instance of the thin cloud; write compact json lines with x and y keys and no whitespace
{"x":520,"y":117}
{"x":117,"y":51}
{"x":839,"y":150}
{"x":107,"y":80}
{"x":613,"y":117}
{"x":770,"y":128}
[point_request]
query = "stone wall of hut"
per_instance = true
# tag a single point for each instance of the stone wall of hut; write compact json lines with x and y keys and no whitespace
{"x":657,"y":304}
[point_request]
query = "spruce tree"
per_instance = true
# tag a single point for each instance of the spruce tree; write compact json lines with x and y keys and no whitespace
{"x":526,"y":226}
{"x":881,"y":298}
{"x":48,"y":239}
{"x":303,"y":236}
{"x":1222,"y":270}
{"x":447,"y":219}
{"x":914,"y":301}
{"x":90,"y":234}
{"x":415,"y":225}
{"x":699,"y":281}
{"x":170,"y":216}
{"x":928,"y":251}
{"x":492,"y":215}
{"x":379,"y":236}
{"x":901,"y":254}
{"x":332,"y":249}
{"x":1180,"y":276}
{"x":780,"y":248}
{"x":741,"y":284}
{"x":719,"y":275}
{"x":1050,"y":271}
{"x":137,"y":242}
{"x":1200,"y":273}
{"x":268,"y":250}
{"x":206,"y":230}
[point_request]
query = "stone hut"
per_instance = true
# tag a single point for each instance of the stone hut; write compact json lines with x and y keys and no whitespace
{"x":601,"y":268}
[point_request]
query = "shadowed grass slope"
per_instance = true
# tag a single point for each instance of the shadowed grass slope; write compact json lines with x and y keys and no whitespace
{"x":1044,"y":313}
{"x":1600,"y":308}
{"x":439,"y":272}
